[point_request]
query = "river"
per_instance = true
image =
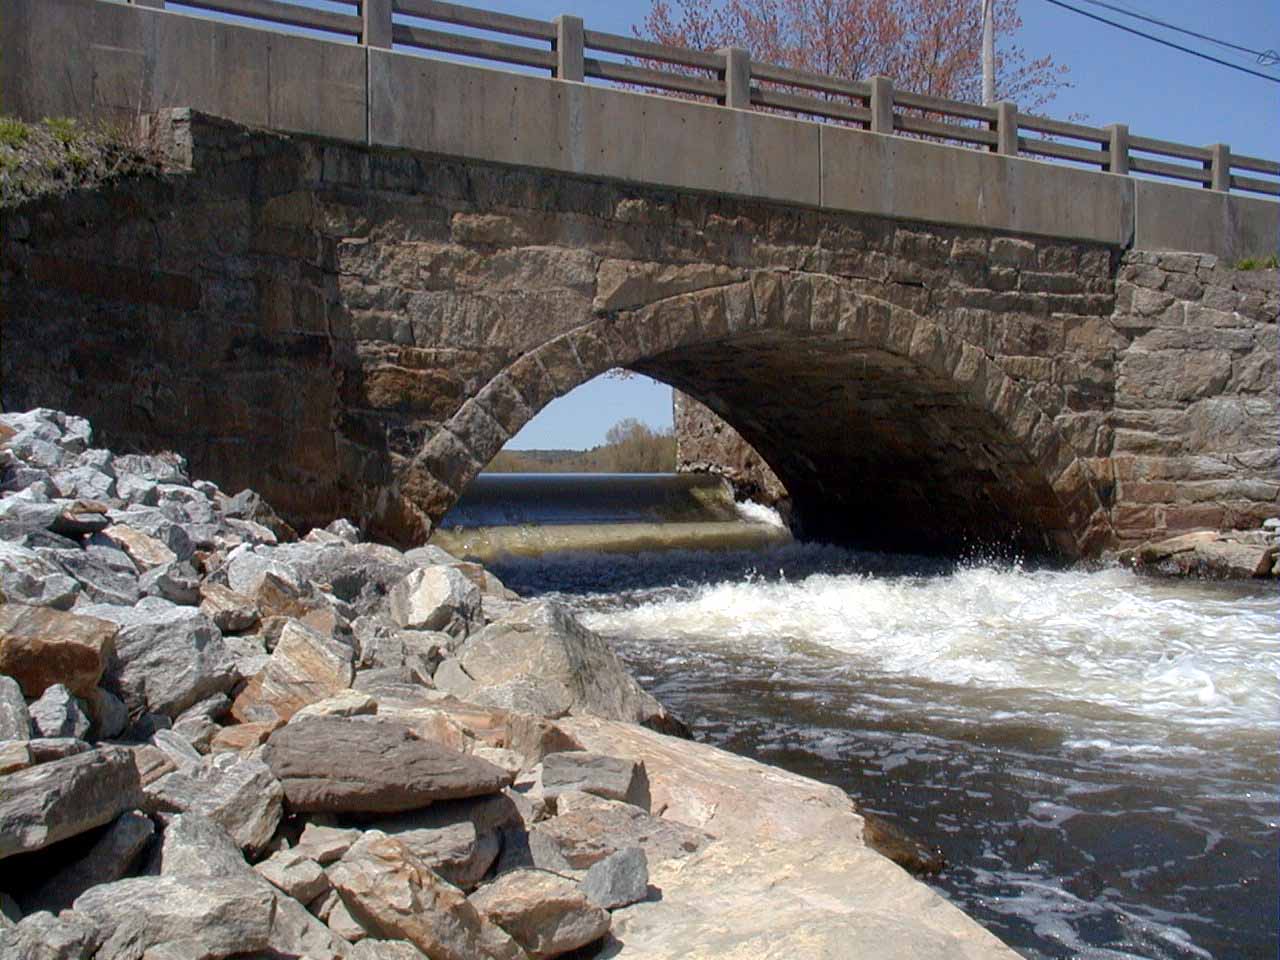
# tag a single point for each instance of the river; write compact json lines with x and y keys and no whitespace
{"x":1094,"y":753}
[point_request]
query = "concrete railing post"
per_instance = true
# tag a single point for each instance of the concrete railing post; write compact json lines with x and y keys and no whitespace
{"x":737,"y":77}
{"x":376,"y":31}
{"x":154,"y":4}
{"x":570,"y":58}
{"x":1007,"y":128}
{"x":881,"y":105}
{"x":1219,"y":167}
{"x":1118,"y":148}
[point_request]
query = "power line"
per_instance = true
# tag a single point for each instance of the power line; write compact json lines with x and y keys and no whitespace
{"x":1261,"y":55}
{"x":1167,"y":43}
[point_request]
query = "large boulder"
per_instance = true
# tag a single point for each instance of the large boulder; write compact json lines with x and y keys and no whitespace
{"x":394,"y":896}
{"x":40,"y":647}
{"x":546,"y":914}
{"x":27,"y":577}
{"x":58,"y":713}
{"x":436,"y":598}
{"x":50,"y":802}
{"x":193,"y":917}
{"x":306,"y":666}
{"x":554,"y":666}
{"x":15,"y":718}
{"x":42,"y":936}
{"x":238,"y":793}
{"x":167,"y":657}
{"x":336,"y":764}
{"x":111,"y":857}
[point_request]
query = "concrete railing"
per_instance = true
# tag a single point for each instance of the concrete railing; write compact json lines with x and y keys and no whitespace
{"x":564,"y":47}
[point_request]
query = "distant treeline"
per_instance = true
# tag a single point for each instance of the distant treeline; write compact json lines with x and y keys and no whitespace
{"x":630,"y":447}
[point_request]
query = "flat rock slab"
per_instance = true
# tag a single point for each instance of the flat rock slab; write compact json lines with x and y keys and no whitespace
{"x":109,"y":859}
{"x":820,"y":899}
{"x":546,"y":914}
{"x":50,"y":802}
{"x":306,"y":666}
{"x":337,"y":765}
{"x":40,"y":646}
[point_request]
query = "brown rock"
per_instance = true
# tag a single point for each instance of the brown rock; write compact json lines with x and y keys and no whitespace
{"x":243,"y":736}
{"x":545,"y":914}
{"x":146,"y":552}
{"x":231,"y":612}
{"x":40,"y":647}
{"x":394,"y":896}
{"x":305,"y":667}
{"x":336,"y":764}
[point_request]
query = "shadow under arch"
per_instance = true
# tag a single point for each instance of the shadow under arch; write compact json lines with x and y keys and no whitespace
{"x":886,"y":429}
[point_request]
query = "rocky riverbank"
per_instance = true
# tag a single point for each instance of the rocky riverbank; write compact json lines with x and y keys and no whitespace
{"x":220,"y":740}
{"x":1211,"y":554}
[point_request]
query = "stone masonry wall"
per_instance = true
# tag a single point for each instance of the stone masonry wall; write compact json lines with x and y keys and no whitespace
{"x":358,"y":331}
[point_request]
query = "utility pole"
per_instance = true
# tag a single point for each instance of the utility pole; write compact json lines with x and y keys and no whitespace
{"x":988,"y":52}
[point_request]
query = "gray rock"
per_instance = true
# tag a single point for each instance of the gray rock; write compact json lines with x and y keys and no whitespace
{"x":47,"y":749}
{"x":50,"y":802}
{"x":134,"y":489}
{"x":545,"y":914}
{"x":155,"y":522}
{"x":105,"y":575}
{"x":542,"y":649}
{"x":15,"y":718}
{"x":248,"y":566}
{"x":593,"y":828}
{"x":344,"y":529}
{"x":298,"y":876}
{"x":85,"y":482}
{"x":359,"y":574}
{"x":110,"y":858}
{"x":435,"y":598}
{"x":158,"y":468}
{"x":26,"y":577}
{"x":178,"y":749}
{"x":620,"y":879}
{"x":171,"y":582}
{"x":335,"y":764}
{"x":42,"y":936}
{"x":195,"y":846}
{"x":201,"y":917}
{"x":110,"y":715}
{"x":386,"y":950}
{"x":237,"y":792}
{"x":167,"y":657}
{"x":58,"y":713}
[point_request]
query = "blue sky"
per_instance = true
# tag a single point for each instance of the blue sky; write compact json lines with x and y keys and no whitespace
{"x":1117,"y":78}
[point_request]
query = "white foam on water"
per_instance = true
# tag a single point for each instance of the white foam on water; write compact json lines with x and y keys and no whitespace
{"x":752,"y":512}
{"x":1108,"y":637}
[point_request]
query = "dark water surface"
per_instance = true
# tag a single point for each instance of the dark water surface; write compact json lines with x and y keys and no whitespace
{"x":1094,"y":753}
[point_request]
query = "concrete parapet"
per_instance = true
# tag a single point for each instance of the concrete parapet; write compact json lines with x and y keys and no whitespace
{"x":92,"y":58}
{"x":1169,"y":217}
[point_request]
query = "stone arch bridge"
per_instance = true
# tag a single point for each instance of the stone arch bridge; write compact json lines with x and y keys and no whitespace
{"x":358,"y":331}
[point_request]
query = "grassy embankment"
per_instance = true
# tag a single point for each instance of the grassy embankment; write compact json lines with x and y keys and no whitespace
{"x":58,"y":154}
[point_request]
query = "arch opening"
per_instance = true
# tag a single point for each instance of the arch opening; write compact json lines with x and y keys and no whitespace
{"x":887,"y":430}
